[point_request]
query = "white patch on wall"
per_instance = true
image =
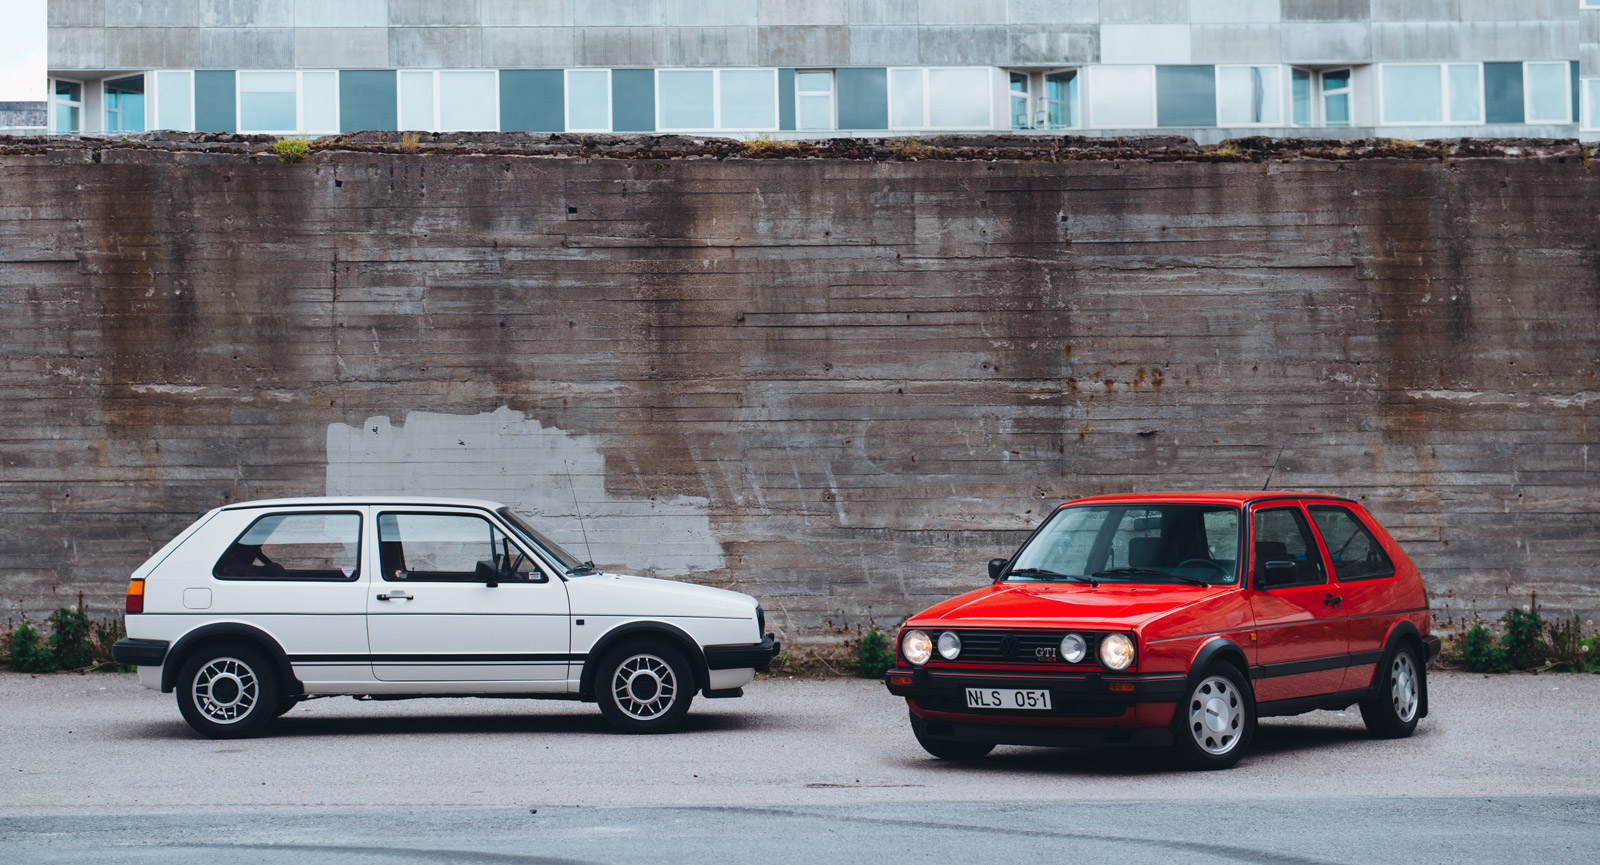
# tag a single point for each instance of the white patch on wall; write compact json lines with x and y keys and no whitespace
{"x":538,"y":471}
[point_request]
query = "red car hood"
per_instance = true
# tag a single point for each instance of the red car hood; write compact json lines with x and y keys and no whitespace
{"x":1055,"y":605}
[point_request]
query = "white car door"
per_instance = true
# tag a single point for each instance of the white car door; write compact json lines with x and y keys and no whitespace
{"x":456,"y":599}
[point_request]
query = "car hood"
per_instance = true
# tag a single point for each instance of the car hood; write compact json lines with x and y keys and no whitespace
{"x":1055,"y":605}
{"x":624,"y":595}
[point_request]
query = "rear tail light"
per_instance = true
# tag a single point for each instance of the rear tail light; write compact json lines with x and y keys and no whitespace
{"x":135,"y":596}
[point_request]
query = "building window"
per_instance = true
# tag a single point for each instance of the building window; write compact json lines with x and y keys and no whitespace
{"x":268,"y":102}
{"x":813,"y":90}
{"x":460,"y":101}
{"x":1061,"y":99}
{"x":1122,"y":97}
{"x":940,"y":99}
{"x":1249,"y":96}
{"x":174,"y":100}
{"x":124,"y":104}
{"x":588,"y":100}
{"x":287,"y":101}
{"x":1320,"y":98}
{"x":1589,"y":4}
{"x":1547,"y":92}
{"x":1019,"y":100}
{"x":1591,"y":104}
{"x":66,"y":103}
{"x":1431,"y":93}
{"x":729,"y":100}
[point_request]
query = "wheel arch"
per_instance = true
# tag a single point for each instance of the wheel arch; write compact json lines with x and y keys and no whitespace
{"x":1404,"y":632}
{"x":672,"y":635}
{"x":228,"y":632}
{"x":1214,"y":650}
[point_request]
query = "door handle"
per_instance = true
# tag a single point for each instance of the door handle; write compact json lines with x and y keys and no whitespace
{"x":1332,"y":600}
{"x":394,"y":596}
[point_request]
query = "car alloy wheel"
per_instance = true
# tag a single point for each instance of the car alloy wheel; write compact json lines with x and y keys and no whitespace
{"x":645,"y":687}
{"x":1403,"y":687}
{"x":226,"y":690}
{"x":1216,"y":715}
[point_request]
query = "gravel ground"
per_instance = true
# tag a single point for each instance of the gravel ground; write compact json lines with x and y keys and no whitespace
{"x":79,"y":745}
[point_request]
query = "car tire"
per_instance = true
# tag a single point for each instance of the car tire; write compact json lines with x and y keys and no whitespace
{"x":645,"y":688}
{"x":286,"y":704}
{"x":1213,"y":726}
{"x":948,"y":749}
{"x":1392,"y":709}
{"x":228,"y":691}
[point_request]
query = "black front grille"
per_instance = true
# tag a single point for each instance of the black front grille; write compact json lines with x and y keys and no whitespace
{"x":1020,"y":647}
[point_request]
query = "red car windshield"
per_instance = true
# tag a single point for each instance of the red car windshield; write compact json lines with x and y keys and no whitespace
{"x":1138,"y":543}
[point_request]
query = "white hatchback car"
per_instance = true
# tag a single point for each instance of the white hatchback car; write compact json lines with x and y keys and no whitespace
{"x":259,"y":605}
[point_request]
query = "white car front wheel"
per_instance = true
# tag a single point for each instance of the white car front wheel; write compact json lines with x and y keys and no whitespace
{"x":644,"y":688}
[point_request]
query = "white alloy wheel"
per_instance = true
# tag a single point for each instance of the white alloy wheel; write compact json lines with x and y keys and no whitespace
{"x":226,"y":690}
{"x":1403,"y":686}
{"x":644,"y":686}
{"x":1216,"y":715}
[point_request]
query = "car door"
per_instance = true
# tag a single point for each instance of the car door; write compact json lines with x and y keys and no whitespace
{"x":1300,"y":632}
{"x":439,"y":613}
{"x":1364,"y":583}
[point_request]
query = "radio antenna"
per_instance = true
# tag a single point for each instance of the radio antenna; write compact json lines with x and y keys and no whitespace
{"x":579,"y":511}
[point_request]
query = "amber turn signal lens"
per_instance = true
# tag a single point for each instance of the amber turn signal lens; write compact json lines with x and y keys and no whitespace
{"x":1121,"y":686}
{"x":135,"y":597}
{"x":900,"y":678}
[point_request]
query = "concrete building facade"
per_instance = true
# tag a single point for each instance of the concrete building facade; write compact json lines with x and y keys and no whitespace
{"x":1212,"y":69}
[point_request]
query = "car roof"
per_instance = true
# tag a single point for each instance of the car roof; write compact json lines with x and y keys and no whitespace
{"x":1234,"y":497}
{"x":325,"y":501}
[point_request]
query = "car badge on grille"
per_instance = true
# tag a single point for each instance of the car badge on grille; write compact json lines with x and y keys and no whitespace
{"x":1008,"y":646}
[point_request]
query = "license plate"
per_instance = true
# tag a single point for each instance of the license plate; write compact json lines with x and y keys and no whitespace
{"x":1007,"y":698}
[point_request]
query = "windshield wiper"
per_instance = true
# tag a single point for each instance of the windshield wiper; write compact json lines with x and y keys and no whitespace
{"x":584,"y":570}
{"x":1051,"y":575}
{"x":1148,"y":572}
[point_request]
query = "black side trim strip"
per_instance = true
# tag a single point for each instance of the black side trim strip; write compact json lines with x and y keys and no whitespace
{"x":1314,"y":665}
{"x":140,"y":653}
{"x":1301,"y":705}
{"x":431,"y":659}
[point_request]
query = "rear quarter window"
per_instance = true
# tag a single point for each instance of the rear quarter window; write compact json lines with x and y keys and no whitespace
{"x":1355,"y":551}
{"x":295,"y":546}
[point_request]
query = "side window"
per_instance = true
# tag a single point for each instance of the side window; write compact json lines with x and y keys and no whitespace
{"x":448,"y":548}
{"x":1356,"y":553}
{"x":295,"y":546}
{"x":1281,"y":535}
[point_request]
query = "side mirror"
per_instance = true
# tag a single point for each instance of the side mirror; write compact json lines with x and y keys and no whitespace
{"x":1274,"y":574}
{"x":488,"y":573}
{"x":997,"y":567}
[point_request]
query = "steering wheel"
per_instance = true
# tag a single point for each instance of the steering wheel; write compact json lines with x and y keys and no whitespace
{"x":1220,"y":568}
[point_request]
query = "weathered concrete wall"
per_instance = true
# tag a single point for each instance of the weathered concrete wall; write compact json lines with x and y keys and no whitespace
{"x":839,"y":383}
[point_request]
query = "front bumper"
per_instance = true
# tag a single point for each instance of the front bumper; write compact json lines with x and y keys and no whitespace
{"x":1075,"y":695}
{"x":756,"y":656}
{"x":140,"y":653}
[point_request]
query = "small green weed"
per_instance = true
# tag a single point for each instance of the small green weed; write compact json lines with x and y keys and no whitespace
{"x":291,"y":150}
{"x":1529,"y":643}
{"x":69,"y":639}
{"x":26,"y":652}
{"x":874,"y":654}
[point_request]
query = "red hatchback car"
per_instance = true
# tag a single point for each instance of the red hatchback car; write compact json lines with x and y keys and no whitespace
{"x":1173,"y":619}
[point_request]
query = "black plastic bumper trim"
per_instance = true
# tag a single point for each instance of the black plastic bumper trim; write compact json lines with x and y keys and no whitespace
{"x":1057,"y":737}
{"x":755,"y":655}
{"x":1431,"y":644}
{"x":1152,"y":688}
{"x":140,"y":653}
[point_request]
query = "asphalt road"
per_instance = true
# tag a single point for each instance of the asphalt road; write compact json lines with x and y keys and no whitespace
{"x":96,"y":768}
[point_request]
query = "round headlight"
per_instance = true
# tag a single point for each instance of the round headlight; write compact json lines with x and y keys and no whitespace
{"x":1116,"y":651}
{"x":949,"y":645}
{"x":1073,"y":648}
{"x":917,"y":647}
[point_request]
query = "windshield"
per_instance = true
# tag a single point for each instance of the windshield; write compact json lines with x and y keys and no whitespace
{"x":1155,"y":543}
{"x":574,"y":566}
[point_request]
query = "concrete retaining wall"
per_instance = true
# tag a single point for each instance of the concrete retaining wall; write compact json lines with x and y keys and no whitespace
{"x":840,"y":382}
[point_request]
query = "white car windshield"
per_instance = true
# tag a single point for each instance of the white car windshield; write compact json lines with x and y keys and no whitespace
{"x":1137,"y":543}
{"x":574,"y":566}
